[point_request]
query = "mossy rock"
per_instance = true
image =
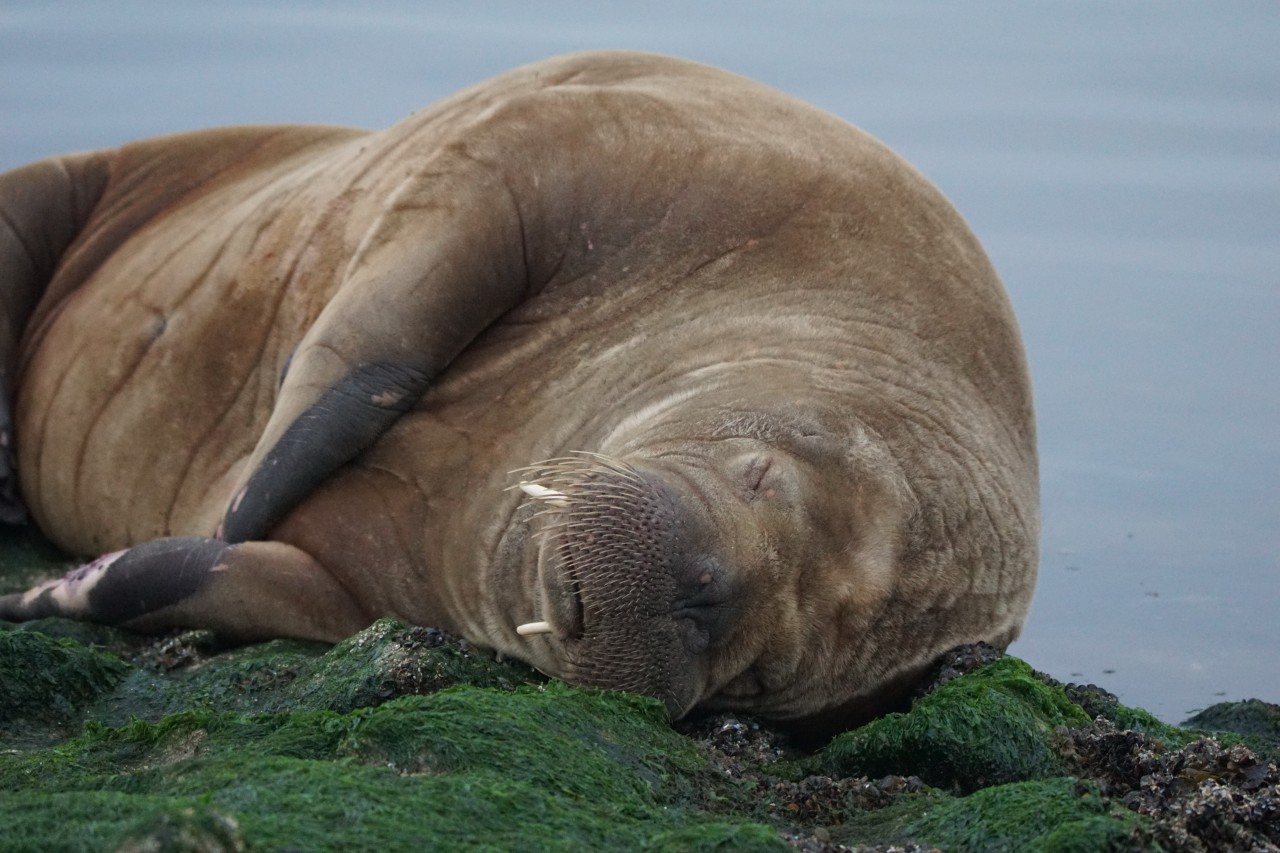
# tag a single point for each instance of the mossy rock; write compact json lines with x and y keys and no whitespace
{"x":48,"y":684}
{"x":532,"y":769}
{"x":987,"y":728}
{"x":389,"y":659}
{"x":1057,"y":815}
{"x":51,"y":685}
{"x":1255,"y":721}
{"x":386,"y":660}
{"x":1252,"y":722}
{"x":186,"y":830}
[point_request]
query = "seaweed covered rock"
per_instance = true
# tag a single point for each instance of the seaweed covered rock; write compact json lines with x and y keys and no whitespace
{"x":189,"y":830}
{"x":389,"y":659}
{"x":993,"y":726}
{"x":47,"y":684}
{"x":53,"y":684}
{"x":1059,"y":814}
{"x":532,"y":768}
{"x":1256,"y":721}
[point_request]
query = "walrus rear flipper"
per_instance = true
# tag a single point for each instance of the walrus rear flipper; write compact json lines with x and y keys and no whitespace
{"x":43,"y":208}
{"x":429,"y":277}
{"x":247,"y":592}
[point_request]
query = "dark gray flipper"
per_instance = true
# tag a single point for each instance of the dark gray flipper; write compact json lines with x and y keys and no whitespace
{"x":347,"y":418}
{"x":430,"y":278}
{"x":246,"y":592}
{"x":123,"y":585}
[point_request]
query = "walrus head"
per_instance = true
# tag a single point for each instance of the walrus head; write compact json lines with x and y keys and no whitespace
{"x":744,"y":564}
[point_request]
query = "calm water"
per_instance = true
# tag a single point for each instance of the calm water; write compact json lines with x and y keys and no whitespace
{"x":1120,"y":161}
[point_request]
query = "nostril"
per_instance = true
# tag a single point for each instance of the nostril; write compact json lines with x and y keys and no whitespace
{"x":701,"y":581}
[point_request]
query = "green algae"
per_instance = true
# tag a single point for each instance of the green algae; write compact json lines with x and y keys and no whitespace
{"x":47,"y":684}
{"x":390,"y":659}
{"x":1254,"y":722}
{"x":102,"y":637}
{"x":991,"y":727}
{"x":1055,"y":815}
{"x":248,"y":680}
{"x":555,"y":768}
{"x":58,"y":683}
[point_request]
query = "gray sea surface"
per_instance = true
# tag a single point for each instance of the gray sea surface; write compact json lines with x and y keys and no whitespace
{"x":1119,"y":160}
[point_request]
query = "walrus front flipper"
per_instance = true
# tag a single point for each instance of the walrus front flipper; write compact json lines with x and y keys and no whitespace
{"x":347,"y":418}
{"x":443,"y":262}
{"x":247,"y":592}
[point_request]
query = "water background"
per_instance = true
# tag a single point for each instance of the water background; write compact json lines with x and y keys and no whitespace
{"x":1119,"y":160}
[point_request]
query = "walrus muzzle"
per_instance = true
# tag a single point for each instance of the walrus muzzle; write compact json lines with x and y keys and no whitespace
{"x":629,"y":598}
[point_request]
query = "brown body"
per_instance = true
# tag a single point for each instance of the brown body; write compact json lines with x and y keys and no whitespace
{"x":782,"y":331}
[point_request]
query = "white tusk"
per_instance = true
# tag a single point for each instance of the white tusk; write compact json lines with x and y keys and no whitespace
{"x":542,"y":493}
{"x":533,"y":628}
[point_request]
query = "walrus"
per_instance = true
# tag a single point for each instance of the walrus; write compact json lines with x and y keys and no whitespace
{"x":644,"y":373}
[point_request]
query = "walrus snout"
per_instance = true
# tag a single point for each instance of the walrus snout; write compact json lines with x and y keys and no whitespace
{"x":628,"y":598}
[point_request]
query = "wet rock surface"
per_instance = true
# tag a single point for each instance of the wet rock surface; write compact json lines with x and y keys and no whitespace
{"x":1202,"y":796}
{"x":404,"y":737}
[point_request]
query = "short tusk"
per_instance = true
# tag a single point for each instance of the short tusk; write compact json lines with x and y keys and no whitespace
{"x":542,"y":493}
{"x":529,"y":628}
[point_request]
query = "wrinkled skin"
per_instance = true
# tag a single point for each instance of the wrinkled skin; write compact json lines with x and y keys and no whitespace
{"x":291,"y":370}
